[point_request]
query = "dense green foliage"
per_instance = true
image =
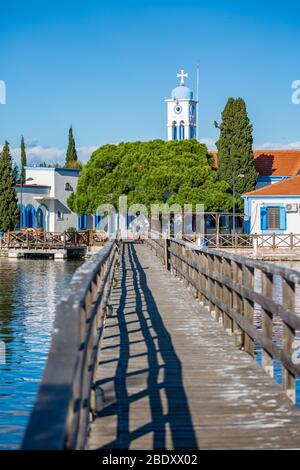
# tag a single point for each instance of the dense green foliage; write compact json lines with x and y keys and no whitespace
{"x":23,"y":159}
{"x":9,"y":212}
{"x":151,"y":172}
{"x":71,"y":157}
{"x":235,"y":155}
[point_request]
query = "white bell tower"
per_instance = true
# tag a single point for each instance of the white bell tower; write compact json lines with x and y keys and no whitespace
{"x":182,"y":112}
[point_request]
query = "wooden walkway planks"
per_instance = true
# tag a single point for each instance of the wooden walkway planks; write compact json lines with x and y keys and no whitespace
{"x":172,"y":379}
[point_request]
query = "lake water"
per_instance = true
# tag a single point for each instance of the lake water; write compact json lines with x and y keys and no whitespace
{"x":29,"y":291}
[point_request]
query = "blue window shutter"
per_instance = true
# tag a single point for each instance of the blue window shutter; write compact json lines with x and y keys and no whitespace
{"x":263,"y":218}
{"x":82,"y":222}
{"x":282,"y":218}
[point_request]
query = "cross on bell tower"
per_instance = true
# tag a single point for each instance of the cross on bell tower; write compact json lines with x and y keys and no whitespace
{"x":182,"y":111}
{"x":182,"y":75}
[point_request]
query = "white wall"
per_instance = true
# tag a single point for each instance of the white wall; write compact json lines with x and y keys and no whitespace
{"x":292,"y":218}
{"x":69,"y":219}
{"x":185,"y":116}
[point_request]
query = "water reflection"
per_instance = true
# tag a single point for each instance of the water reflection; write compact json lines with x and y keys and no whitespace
{"x":29,"y":290}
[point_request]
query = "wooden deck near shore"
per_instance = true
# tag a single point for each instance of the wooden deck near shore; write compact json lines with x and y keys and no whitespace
{"x":172,"y":379}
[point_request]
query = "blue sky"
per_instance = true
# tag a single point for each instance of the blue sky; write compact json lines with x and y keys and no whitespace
{"x":106,"y":67}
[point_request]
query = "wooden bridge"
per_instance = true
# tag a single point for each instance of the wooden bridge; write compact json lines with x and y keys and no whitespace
{"x":155,"y":346}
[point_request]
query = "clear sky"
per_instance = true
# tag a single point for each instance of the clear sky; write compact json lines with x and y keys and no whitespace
{"x":106,"y":67}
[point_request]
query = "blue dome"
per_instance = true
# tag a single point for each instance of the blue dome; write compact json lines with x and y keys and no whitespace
{"x":182,"y":92}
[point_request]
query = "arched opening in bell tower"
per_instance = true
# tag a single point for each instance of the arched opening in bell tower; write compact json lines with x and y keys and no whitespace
{"x":174,"y":130}
{"x":181,"y":130}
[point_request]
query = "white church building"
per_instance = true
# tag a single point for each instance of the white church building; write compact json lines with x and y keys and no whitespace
{"x":43,"y":199}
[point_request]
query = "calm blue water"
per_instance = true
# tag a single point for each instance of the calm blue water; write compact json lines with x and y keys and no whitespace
{"x":29,"y":290}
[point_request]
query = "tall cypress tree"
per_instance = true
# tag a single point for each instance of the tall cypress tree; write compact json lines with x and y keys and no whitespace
{"x":71,"y":156}
{"x":9,"y":212}
{"x":23,"y":160}
{"x":235,"y":154}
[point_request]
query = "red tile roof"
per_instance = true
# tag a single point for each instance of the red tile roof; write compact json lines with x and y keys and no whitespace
{"x":274,"y":162}
{"x":287,"y":187}
{"x":277,"y":162}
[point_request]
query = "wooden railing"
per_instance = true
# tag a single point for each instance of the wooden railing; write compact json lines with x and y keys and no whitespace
{"x":239,"y":292}
{"x":233,"y":240}
{"x":274,"y":241}
{"x":33,"y":239}
{"x":253,"y":241}
{"x":66,"y":396}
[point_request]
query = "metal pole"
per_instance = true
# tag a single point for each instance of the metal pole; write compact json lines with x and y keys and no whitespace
{"x":21,"y":201}
{"x":197,"y":105}
{"x":233,"y":204}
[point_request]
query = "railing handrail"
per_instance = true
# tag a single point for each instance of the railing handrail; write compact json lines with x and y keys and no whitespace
{"x":60,"y":415}
{"x":225,"y":283}
{"x":287,"y":273}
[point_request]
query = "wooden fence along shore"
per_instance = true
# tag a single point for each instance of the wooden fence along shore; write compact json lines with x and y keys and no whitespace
{"x":63,"y":245}
{"x":33,"y":239}
{"x":224,"y":283}
{"x":251,"y":241}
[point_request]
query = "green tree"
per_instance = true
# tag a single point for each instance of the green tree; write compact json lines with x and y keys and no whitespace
{"x":71,"y":157}
{"x":148,"y":173}
{"x":235,"y":154}
{"x":9,"y":212}
{"x":23,"y":159}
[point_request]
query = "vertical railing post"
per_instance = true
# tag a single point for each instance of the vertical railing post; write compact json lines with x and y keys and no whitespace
{"x":267,"y":322}
{"x":218,"y":287}
{"x":205,"y":280}
{"x":211,"y":283}
{"x":227,"y":295}
{"x":167,"y":253}
{"x":199,"y":255}
{"x":292,"y":241}
{"x":237,"y":302}
{"x":248,"y":282}
{"x":289,"y":336}
{"x":274,"y":241}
